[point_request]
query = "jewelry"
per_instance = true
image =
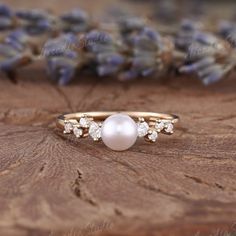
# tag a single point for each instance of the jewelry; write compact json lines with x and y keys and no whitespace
{"x":118,"y":130}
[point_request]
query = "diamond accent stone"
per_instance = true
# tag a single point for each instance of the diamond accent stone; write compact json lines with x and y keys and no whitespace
{"x":68,"y":128}
{"x":84,"y":122}
{"x":95,"y":131}
{"x":142,"y":128}
{"x":153,"y":136}
{"x":169,"y":127}
{"x":160,"y":125}
{"x":78,"y":132}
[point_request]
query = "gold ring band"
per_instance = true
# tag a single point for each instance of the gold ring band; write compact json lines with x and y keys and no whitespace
{"x":118,"y":130}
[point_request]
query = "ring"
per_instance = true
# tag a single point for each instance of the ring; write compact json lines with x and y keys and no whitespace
{"x":118,"y":130}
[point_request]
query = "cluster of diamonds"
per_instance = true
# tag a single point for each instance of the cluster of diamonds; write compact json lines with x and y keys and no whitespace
{"x":151,"y":133}
{"x":84,"y":127}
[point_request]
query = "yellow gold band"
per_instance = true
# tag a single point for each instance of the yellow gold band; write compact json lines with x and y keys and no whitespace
{"x":102,"y":115}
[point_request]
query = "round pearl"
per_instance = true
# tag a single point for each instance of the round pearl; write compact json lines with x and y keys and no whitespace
{"x":119,"y":132}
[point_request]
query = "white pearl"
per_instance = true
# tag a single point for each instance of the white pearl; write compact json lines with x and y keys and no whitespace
{"x":119,"y":132}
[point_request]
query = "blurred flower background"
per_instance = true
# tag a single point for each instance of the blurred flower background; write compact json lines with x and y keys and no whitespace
{"x":127,"y":40}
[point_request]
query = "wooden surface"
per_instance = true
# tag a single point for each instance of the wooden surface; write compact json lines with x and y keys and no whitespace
{"x":55,"y":185}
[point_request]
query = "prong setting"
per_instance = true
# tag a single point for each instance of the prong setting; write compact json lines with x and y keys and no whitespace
{"x":69,"y":126}
{"x":78,"y":132}
{"x":95,"y":130}
{"x":152,"y":136}
{"x":169,"y":127}
{"x":84,"y":121}
{"x":160,"y":125}
{"x":142,"y":127}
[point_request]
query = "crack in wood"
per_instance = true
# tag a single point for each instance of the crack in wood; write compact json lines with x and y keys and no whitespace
{"x":80,"y":190}
{"x":226,"y":118}
{"x":214,"y":185}
{"x":149,"y":187}
{"x":42,"y":167}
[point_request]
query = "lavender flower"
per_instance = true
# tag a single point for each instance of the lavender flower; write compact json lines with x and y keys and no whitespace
{"x":129,"y":26}
{"x":228,"y":31}
{"x":17,"y":39}
{"x":134,"y":50}
{"x":147,"y":56}
{"x":14,"y":52}
{"x":6,"y":17}
{"x":62,"y":57}
{"x":186,"y":34}
{"x":35,"y":21}
{"x":106,"y":53}
{"x":76,"y":21}
{"x":209,"y":57}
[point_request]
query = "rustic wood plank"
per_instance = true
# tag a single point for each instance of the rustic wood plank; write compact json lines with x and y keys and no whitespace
{"x":49,"y":182}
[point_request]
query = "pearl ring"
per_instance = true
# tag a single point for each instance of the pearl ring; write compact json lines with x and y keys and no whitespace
{"x":118,"y":130}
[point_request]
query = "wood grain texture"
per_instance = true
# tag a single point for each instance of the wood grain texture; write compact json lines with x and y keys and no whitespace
{"x":55,"y":185}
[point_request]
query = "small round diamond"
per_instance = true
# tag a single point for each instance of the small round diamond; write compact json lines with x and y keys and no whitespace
{"x":68,"y":128}
{"x":77,"y":132}
{"x":153,"y":136}
{"x":95,"y":131}
{"x":169,"y":127}
{"x":84,"y":122}
{"x":160,"y":125}
{"x":142,"y":129}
